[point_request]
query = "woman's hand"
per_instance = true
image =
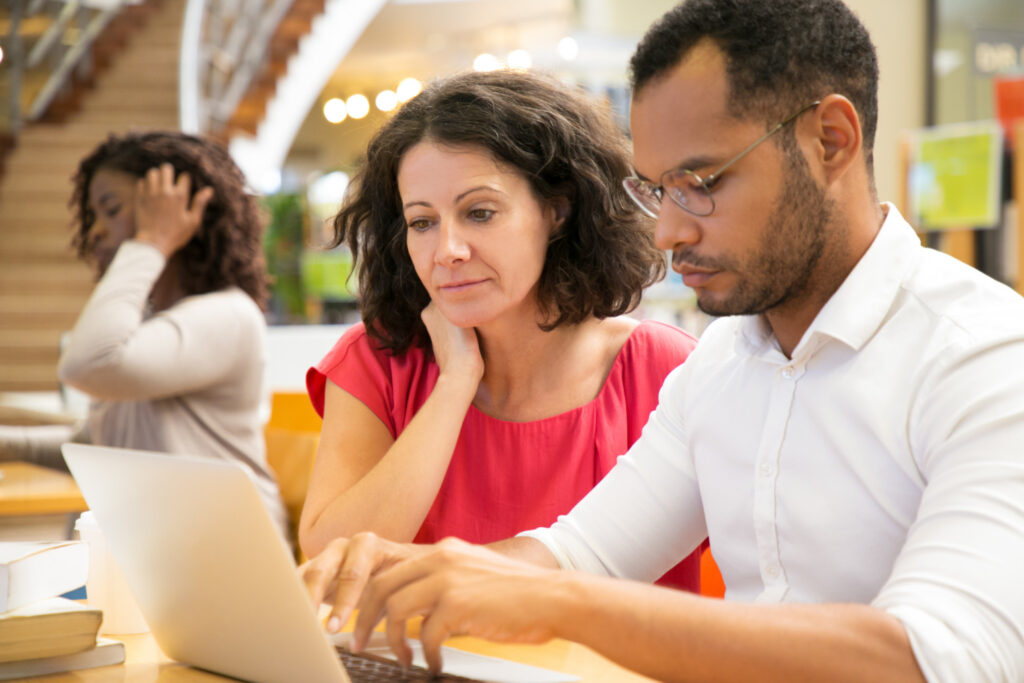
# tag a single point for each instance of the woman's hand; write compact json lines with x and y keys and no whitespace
{"x":456,"y":349}
{"x":164,"y":215}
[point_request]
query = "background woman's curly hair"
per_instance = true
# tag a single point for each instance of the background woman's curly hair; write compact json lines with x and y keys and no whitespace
{"x":563,"y":143}
{"x":227,"y":248}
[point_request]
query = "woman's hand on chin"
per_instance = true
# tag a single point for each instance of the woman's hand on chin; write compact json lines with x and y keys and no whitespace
{"x":456,"y":349}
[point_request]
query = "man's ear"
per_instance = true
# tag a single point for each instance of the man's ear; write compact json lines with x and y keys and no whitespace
{"x":838,"y":139}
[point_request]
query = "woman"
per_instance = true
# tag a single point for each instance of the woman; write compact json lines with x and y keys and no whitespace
{"x":493,"y":381}
{"x":170,"y":346}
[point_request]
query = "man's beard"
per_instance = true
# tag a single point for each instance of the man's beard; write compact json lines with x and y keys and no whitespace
{"x":791,"y":247}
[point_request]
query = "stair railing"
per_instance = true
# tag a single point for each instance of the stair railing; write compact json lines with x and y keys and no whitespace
{"x":223,"y":48}
{"x":64,"y":47}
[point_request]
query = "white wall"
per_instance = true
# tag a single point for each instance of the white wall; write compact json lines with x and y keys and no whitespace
{"x":898,"y":29}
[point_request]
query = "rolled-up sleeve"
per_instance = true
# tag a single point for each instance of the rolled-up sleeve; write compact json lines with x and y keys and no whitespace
{"x":646,"y":514}
{"x":958,"y":583}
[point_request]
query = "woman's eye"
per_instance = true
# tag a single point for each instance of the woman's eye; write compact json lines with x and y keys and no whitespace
{"x":481,"y":215}
{"x":419,"y":224}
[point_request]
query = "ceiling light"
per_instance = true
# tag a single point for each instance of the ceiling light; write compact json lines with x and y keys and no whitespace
{"x":386,"y":100}
{"x":334,"y":110}
{"x":519,"y":59}
{"x":357,"y":106}
{"x":486,"y":62}
{"x":408,"y":89}
{"x":568,"y":48}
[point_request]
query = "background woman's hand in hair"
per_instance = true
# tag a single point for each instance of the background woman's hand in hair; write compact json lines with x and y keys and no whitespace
{"x":166,"y":215}
{"x":456,"y":349}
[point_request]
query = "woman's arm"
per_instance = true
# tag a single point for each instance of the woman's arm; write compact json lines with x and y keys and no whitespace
{"x":363,"y":479}
{"x":113,"y":353}
{"x":38,"y":444}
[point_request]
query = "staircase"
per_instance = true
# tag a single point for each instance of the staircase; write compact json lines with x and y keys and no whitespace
{"x":42,"y":284}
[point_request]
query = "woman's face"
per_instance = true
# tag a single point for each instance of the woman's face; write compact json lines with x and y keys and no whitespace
{"x":111,"y":200}
{"x":477,"y":234}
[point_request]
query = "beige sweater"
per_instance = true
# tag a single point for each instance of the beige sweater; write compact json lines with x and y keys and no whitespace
{"x":188,"y":380}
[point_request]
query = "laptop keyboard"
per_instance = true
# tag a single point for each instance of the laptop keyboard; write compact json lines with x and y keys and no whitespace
{"x":368,"y":668}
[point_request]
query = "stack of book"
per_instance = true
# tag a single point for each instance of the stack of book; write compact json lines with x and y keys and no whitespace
{"x":40,"y":632}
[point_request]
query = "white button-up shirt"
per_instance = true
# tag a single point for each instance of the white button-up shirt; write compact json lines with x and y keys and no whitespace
{"x":883,"y":463}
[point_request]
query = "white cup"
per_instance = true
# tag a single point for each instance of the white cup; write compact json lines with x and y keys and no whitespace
{"x":105,"y":588}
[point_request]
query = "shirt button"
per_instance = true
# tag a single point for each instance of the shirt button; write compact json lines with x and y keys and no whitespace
{"x":766,"y":469}
{"x":787,"y":373}
{"x":771,"y":570}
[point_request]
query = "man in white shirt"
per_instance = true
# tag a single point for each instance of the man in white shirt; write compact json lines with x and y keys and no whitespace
{"x":850,"y":435}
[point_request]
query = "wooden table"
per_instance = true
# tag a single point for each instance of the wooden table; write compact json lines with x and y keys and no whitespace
{"x":145,"y":663}
{"x":37,"y":503}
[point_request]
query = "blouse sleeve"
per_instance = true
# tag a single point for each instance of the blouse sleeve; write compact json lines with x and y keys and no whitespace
{"x":114,"y":353}
{"x":353,"y":364}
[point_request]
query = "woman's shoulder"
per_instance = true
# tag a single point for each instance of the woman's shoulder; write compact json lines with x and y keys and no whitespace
{"x":224,"y":309}
{"x":356,"y":342}
{"x":659,"y":339}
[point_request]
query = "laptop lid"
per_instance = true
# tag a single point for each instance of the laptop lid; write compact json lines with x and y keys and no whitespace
{"x":211,"y":574}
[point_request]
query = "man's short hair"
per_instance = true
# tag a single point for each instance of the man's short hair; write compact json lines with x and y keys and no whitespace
{"x":780,"y":55}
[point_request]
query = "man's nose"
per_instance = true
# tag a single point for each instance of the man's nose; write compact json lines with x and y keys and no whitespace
{"x":675,"y":227}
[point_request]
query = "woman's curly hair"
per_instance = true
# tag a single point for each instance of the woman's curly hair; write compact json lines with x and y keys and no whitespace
{"x":562,"y":142}
{"x":227,"y":248}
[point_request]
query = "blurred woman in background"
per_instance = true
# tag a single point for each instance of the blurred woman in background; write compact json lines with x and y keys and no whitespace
{"x":170,"y":346}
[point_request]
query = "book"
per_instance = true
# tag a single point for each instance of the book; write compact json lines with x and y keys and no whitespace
{"x":48,"y":628}
{"x":34,"y":571}
{"x":105,"y":653}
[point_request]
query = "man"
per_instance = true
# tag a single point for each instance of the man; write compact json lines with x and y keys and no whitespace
{"x":850,"y":436}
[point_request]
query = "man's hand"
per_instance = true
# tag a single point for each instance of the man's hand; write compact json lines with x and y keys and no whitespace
{"x":459,"y":589}
{"x":164,"y":214}
{"x":339,"y":573}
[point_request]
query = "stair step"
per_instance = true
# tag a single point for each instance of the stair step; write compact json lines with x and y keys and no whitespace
{"x":46,"y":279}
{"x":26,"y":247}
{"x":23,"y":341}
{"x":28,"y":377}
{"x":22,"y":212}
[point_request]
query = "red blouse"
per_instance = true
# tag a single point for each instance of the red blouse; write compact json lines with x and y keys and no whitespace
{"x":506,"y":477}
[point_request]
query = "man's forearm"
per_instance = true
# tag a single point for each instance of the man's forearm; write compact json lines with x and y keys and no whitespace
{"x":675,"y":636}
{"x":525,"y":549}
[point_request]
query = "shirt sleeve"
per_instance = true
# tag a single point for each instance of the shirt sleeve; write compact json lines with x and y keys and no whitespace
{"x":114,"y":353}
{"x":956,"y":585}
{"x":646,"y":514}
{"x":357,"y":368}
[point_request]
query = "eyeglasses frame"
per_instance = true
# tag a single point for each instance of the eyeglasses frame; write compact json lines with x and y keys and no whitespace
{"x":659,"y":190}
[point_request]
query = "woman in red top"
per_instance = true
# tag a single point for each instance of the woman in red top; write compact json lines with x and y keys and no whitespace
{"x":494,"y":380}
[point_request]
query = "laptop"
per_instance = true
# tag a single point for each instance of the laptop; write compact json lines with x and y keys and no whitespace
{"x":213,"y":578}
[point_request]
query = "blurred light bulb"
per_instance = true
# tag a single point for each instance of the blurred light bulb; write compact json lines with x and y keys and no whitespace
{"x":334,"y":110}
{"x":386,"y":100}
{"x":568,"y":48}
{"x":358,"y":106}
{"x":408,"y":89}
{"x":519,"y":59}
{"x":1,"y":55}
{"x":486,"y":62}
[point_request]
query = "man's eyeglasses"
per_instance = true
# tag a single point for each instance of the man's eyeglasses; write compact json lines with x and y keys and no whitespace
{"x":687,"y":189}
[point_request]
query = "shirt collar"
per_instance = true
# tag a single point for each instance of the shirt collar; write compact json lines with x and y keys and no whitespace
{"x":856,"y":310}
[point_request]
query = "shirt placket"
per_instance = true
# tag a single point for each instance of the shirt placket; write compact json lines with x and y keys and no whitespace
{"x":766,"y":471}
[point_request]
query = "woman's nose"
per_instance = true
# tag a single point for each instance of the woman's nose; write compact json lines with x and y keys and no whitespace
{"x":452,"y":247}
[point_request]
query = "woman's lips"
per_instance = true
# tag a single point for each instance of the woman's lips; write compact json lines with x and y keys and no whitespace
{"x":460,"y":286}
